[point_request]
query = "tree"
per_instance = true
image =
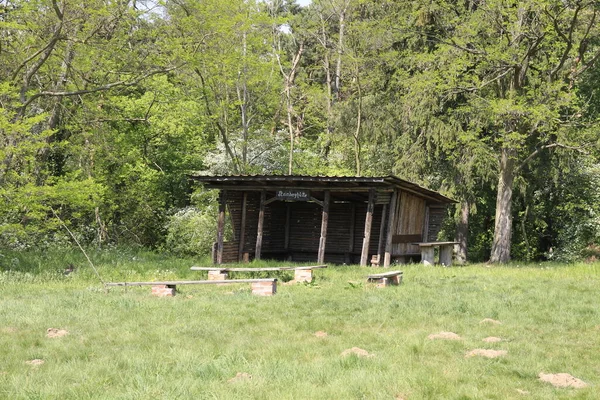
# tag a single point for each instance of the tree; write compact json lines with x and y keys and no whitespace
{"x":510,"y":70}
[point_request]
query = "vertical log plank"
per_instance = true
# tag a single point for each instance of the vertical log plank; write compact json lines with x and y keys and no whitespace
{"x":221,"y":225}
{"x":243,"y":227}
{"x":364,"y":255}
{"x":390,"y":229}
{"x":382,"y":236}
{"x":261,"y":220}
{"x":324,"y":221}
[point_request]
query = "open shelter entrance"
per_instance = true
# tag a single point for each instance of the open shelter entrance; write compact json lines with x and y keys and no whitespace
{"x":348,"y":220}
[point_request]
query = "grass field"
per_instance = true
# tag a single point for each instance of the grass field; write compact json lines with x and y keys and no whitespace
{"x":126,"y":344}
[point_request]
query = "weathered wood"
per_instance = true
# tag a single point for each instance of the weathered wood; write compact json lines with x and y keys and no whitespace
{"x":221,"y":226}
{"x":204,"y":282}
{"x":384,"y":275}
{"x":406,"y":238}
{"x":265,"y":269}
{"x":368,"y":222}
{"x":288,"y":215}
{"x":243,"y":227}
{"x":434,"y":244}
{"x":425,"y":225}
{"x":324,"y":222}
{"x":381,"y":244}
{"x":261,"y":220}
{"x":352,"y":227}
{"x":390,"y":230}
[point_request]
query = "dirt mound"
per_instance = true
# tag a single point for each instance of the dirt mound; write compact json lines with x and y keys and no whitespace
{"x":55,"y":333}
{"x":490,"y":321}
{"x":240,"y":376}
{"x":36,"y":362}
{"x":9,"y":329}
{"x":562,"y":380}
{"x":321,"y":334}
{"x":486,"y":353}
{"x":444,"y":336}
{"x":492,"y":339}
{"x":358,"y":351}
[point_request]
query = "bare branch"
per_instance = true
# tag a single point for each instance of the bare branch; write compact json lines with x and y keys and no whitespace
{"x":549,"y":146}
{"x":106,"y":87}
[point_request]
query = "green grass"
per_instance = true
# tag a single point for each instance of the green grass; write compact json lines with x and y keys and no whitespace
{"x":126,"y":344}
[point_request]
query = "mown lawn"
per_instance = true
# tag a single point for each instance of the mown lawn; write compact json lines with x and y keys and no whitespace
{"x":126,"y":344}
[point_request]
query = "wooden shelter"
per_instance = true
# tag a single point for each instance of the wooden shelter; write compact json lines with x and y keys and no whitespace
{"x":324,"y":219}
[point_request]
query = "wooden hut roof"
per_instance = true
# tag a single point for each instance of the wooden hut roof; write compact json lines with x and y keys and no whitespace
{"x":348,"y":184}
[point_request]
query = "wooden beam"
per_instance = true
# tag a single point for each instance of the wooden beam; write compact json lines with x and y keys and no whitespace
{"x":390,"y":229}
{"x":351,"y":236}
{"x":261,"y":221}
{"x":221,"y":225}
{"x":288,"y":220}
{"x":382,"y":237}
{"x":243,"y":227}
{"x":426,"y":225}
{"x":324,"y":221}
{"x":364,"y":255}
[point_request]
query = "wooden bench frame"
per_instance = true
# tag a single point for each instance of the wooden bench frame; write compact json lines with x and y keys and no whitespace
{"x":260,"y":287}
{"x":386,"y":278}
{"x":301,"y":274}
{"x":428,"y":252}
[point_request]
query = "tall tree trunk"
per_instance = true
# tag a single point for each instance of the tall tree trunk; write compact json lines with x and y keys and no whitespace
{"x":462,"y":232}
{"x":503,"y":225}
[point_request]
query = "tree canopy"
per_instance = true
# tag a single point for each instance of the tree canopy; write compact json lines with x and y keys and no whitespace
{"x":106,"y":106}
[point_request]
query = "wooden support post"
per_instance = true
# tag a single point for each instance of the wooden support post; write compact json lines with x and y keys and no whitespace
{"x":390,"y":229}
{"x":382,"y":231}
{"x":243,"y":228}
{"x":424,"y":237}
{"x":221,"y":226}
{"x":364,"y":255}
{"x":288,"y":220}
{"x":351,"y":235}
{"x":324,"y":221}
{"x":261,"y":220}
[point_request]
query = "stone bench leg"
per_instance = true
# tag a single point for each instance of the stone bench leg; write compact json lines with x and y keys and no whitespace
{"x":217,"y":275}
{"x":163,"y":290}
{"x":427,"y":255}
{"x":264,"y":288}
{"x":396,"y":280}
{"x":446,"y":255}
{"x":303,"y":275}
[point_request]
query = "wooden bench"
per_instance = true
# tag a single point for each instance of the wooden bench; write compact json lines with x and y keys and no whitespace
{"x":260,"y":287}
{"x":428,"y":251}
{"x":301,"y":274}
{"x":386,"y":278}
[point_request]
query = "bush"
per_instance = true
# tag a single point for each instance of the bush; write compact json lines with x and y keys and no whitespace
{"x":191,"y":231}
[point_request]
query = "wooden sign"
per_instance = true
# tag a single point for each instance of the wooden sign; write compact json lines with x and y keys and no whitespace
{"x":294,"y":195}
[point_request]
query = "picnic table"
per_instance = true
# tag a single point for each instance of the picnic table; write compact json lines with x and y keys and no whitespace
{"x":428,"y":252}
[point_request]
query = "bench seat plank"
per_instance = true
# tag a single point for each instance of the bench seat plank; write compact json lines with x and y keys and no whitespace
{"x":269,"y":269}
{"x":188,"y":282}
{"x":384,"y":275}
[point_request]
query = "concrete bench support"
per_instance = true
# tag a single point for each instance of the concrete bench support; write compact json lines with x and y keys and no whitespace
{"x":163,"y":290}
{"x":217,"y":275}
{"x":303,"y":275}
{"x":264,"y":288}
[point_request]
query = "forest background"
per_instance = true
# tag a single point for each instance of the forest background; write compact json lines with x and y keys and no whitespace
{"x":107,"y":106}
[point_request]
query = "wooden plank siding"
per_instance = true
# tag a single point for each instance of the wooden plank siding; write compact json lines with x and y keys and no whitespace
{"x":345,"y":231}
